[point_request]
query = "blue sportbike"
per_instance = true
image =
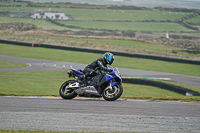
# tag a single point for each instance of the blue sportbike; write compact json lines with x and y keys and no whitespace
{"x":103,"y":84}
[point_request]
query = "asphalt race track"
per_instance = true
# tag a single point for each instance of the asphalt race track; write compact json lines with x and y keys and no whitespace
{"x":92,"y":115}
{"x":37,"y":65}
{"x":97,"y":115}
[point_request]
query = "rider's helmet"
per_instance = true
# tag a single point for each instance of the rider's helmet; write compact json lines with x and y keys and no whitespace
{"x":108,"y":58}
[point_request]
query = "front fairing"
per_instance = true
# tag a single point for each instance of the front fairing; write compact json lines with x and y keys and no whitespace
{"x":114,"y":73}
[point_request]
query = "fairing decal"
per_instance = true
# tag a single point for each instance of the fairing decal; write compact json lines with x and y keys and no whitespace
{"x":77,"y":72}
{"x":108,"y":77}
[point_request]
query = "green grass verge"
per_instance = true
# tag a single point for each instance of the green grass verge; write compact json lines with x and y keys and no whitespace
{"x":87,"y":58}
{"x":29,"y":86}
{"x":133,"y":90}
{"x":7,"y":64}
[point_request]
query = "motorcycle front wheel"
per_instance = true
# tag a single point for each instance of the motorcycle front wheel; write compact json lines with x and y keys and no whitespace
{"x":112,"y":94}
{"x":67,"y":93}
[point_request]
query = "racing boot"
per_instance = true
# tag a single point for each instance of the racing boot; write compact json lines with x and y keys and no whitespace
{"x":81,"y":79}
{"x":99,"y":90}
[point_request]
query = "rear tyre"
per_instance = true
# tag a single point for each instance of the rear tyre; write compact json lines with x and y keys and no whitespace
{"x":67,"y":93}
{"x":113,"y":94}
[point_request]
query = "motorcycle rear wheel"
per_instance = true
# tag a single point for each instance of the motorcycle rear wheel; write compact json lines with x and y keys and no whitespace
{"x":67,"y":93}
{"x":114,"y":94}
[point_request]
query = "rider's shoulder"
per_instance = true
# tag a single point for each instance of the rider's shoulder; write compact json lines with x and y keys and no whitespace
{"x":100,"y":59}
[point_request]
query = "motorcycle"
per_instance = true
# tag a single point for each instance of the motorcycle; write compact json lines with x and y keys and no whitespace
{"x":103,"y":84}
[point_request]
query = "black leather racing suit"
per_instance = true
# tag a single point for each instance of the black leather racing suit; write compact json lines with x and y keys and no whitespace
{"x":90,"y":69}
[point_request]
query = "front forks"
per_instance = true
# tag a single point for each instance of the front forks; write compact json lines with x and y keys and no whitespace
{"x":109,"y":86}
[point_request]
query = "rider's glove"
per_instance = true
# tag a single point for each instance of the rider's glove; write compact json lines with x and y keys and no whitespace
{"x":109,"y":69}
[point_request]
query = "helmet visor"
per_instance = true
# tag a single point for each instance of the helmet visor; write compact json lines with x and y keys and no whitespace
{"x":109,"y":58}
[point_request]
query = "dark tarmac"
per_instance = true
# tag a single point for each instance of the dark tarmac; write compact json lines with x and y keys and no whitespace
{"x":97,"y":115}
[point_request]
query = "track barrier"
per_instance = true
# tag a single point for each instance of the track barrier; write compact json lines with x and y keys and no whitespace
{"x":162,"y":85}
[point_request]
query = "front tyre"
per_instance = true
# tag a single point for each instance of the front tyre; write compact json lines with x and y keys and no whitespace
{"x":112,"y":94}
{"x":65,"y":92}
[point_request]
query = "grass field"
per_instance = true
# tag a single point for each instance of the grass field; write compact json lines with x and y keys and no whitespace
{"x":17,"y":9}
{"x":134,"y":26}
{"x":134,"y":15}
{"x":194,"y":20}
{"x":40,"y":23}
{"x":108,"y":14}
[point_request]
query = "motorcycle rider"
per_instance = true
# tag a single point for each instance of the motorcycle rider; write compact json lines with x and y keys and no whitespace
{"x":101,"y":63}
